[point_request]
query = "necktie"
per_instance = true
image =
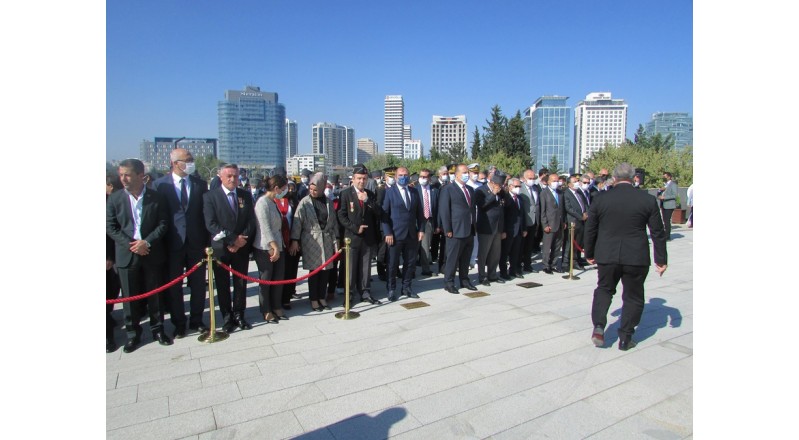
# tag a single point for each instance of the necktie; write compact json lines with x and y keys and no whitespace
{"x":585,"y":200}
{"x":184,"y":195}
{"x":360,"y":202}
{"x":580,"y":202}
{"x":516,"y":201}
{"x":405,"y":197}
{"x":426,"y":203}
{"x":468,"y":198}
{"x":232,"y":201}
{"x":555,"y":194}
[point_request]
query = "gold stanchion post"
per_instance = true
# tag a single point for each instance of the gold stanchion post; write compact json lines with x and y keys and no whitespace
{"x":211,"y":335}
{"x":347,"y":314}
{"x":571,"y":276}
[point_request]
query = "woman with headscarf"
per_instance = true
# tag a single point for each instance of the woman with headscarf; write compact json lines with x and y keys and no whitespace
{"x":315,"y":230}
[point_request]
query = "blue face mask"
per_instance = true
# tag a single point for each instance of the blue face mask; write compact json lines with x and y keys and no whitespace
{"x":464,"y":178}
{"x":403,"y":180}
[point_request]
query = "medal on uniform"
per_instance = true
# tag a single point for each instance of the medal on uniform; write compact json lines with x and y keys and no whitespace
{"x":241,"y":202}
{"x":352,"y":206}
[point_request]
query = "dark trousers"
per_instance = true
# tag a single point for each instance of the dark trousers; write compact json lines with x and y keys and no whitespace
{"x":632,"y":280}
{"x":361,"y":269}
{"x":240,"y":261}
{"x":442,"y":252}
{"x":179,"y":262}
{"x":666,"y":213}
{"x":408,"y":249}
{"x":530,"y":245}
{"x":111,"y":292}
{"x":435,"y":241}
{"x":425,"y":254}
{"x":489,"y":248}
{"x":290,"y":269}
{"x":139,"y":277}
{"x":317,"y":285}
{"x":511,"y":250}
{"x":551,"y":247}
{"x":459,"y":250}
{"x":270,"y":296}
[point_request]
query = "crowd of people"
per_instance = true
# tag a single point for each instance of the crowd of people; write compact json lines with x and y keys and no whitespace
{"x":454,"y":219}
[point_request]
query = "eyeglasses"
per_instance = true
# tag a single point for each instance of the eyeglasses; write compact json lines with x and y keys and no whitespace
{"x":517,"y":186}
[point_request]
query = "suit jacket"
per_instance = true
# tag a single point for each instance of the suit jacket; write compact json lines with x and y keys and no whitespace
{"x":670,"y":196}
{"x":490,"y":211}
{"x":615,"y":232}
{"x":185,"y":227}
{"x":456,"y":215}
{"x":433,"y":204}
{"x":400,"y":221}
{"x":572,"y":206}
{"x":351,"y":216}
{"x":551,"y":212}
{"x":154,"y":225}
{"x":219,"y":217}
{"x":531,"y":205}
{"x":515,"y":217}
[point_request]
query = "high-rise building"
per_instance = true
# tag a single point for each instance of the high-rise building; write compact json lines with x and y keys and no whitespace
{"x":336,"y":142}
{"x":407,"y":132}
{"x":291,"y":138}
{"x":393,"y":124}
{"x":156,"y":153}
{"x":680,"y":125}
{"x":547,"y":124}
{"x":599,"y":120}
{"x":367,"y":149}
{"x":446,"y":131}
{"x":412,"y":149}
{"x":313,"y":162}
{"x":252,"y":127}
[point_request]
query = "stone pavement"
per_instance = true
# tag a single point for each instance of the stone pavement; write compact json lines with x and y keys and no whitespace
{"x":516,"y":364}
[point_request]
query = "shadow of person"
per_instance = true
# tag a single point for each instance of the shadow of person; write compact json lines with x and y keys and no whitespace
{"x":360,"y":426}
{"x":656,"y":315}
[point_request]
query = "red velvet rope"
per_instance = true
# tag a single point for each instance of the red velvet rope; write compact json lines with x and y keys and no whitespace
{"x":272,"y":283}
{"x":577,"y":246}
{"x":157,"y":290}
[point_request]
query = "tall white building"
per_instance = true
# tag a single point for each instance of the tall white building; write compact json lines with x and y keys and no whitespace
{"x":412,"y":149}
{"x":599,"y":120}
{"x":313,"y":162}
{"x":291,"y":138}
{"x":393,"y":124}
{"x":367,"y":149}
{"x":446,"y":131}
{"x":407,"y":132}
{"x":336,"y":142}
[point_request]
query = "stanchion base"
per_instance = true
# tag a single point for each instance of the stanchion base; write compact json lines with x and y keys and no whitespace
{"x":209,"y":337}
{"x":347,"y":315}
{"x":569,"y":277}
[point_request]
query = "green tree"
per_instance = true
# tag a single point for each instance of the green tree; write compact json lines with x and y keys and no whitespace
{"x":511,"y":165}
{"x":207,"y":166}
{"x":554,"y":166}
{"x":516,"y":140}
{"x":381,"y":161}
{"x":476,"y":143}
{"x":457,"y":153}
{"x":495,"y":133}
{"x":654,"y":162}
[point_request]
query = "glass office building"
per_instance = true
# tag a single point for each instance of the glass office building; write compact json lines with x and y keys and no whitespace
{"x":252,"y":128}
{"x":547,"y":125}
{"x":680,"y":125}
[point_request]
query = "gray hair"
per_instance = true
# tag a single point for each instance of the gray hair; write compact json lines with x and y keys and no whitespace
{"x":624,"y":171}
{"x":443,"y":169}
{"x":510,"y":182}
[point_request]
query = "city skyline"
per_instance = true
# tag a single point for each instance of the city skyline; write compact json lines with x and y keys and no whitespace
{"x":495,"y":63}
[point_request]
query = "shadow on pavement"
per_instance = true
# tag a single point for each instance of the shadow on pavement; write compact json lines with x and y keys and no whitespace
{"x":656,"y":315}
{"x":360,"y":426}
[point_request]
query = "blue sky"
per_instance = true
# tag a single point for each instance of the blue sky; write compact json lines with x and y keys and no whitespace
{"x":169,"y":63}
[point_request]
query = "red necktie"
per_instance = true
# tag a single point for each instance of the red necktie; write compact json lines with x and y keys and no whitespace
{"x":426,"y":203}
{"x":468,"y":199}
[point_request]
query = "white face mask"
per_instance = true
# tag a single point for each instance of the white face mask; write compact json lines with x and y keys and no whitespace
{"x":282,"y":193}
{"x":584,"y":186}
{"x":473,"y":177}
{"x":516,"y":191}
{"x":390,"y":181}
{"x":444,"y":178}
{"x":190,"y":168}
{"x":530,"y":182}
{"x":304,"y":180}
{"x":554,"y":185}
{"x":253,"y":190}
{"x":423,"y":182}
{"x":328,"y":192}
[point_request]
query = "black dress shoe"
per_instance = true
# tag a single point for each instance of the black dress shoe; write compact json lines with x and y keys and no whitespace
{"x":409,"y":293}
{"x":287,"y":306}
{"x":499,"y":281}
{"x":201,"y":328}
{"x":625,"y":345}
{"x":548,"y":271}
{"x":484,"y":282}
{"x":131,"y":345}
{"x":162,"y":338}
{"x":451,"y":289}
{"x":243,"y":324}
{"x":229,"y":327}
{"x":369,"y":299}
{"x":468,"y":285}
{"x":392,"y":296}
{"x":180,"y":333}
{"x":527,"y":270}
{"x":283,"y":318}
{"x":505,"y":277}
{"x":110,"y":346}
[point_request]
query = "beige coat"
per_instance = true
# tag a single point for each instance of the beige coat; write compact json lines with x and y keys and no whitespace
{"x":317,"y":245}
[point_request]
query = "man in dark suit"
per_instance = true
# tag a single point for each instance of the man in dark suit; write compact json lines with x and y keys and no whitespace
{"x":490,"y":202}
{"x":458,"y":217}
{"x":359,"y":216}
{"x":382,"y":249}
{"x":529,"y":193}
{"x":137,"y":221}
{"x":302,"y":188}
{"x":429,"y":198}
{"x":576,"y":208}
{"x":186,"y":239}
{"x":403,"y":222}
{"x":551,"y":222}
{"x":515,"y":231}
{"x":616,"y":239}
{"x":230,"y":219}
